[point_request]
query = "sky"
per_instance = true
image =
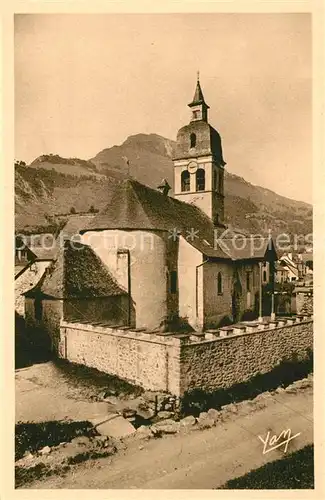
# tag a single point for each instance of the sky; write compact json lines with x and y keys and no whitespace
{"x":85,"y":82}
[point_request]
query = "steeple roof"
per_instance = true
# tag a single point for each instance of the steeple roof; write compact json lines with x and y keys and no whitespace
{"x":198,"y":96}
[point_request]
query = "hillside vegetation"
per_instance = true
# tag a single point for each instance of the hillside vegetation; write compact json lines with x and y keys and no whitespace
{"x":53,"y":185}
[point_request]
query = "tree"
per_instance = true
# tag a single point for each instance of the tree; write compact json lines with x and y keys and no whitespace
{"x":20,"y":163}
{"x":72,"y":210}
{"x":92,"y":209}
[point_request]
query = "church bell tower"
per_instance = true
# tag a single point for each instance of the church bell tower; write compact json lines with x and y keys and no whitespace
{"x":198,"y":162}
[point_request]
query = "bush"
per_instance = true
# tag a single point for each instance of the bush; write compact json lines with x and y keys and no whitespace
{"x":249,"y":315}
{"x":296,"y":471}
{"x":32,"y":436}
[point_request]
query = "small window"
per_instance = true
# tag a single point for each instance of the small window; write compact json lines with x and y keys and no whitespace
{"x":38,"y":309}
{"x":200,"y":180}
{"x":173,"y":282}
{"x":264,"y":276}
{"x":219,"y":284}
{"x":196,"y":115}
{"x":248,"y":281}
{"x":193,"y":140}
{"x":185,"y":181}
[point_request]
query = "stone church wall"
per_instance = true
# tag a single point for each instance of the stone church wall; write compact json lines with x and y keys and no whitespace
{"x":111,"y":310}
{"x":190,"y":284}
{"x":150,"y":259}
{"x":217,"y":307}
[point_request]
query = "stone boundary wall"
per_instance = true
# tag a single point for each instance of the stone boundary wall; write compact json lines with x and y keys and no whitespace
{"x":176,"y":363}
{"x":145,"y":359}
{"x":221,"y":359}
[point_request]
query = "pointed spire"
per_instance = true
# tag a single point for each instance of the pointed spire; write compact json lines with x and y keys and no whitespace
{"x":198,"y":98}
{"x":198,"y":95}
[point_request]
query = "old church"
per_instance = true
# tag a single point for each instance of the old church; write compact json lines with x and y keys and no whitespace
{"x":153,"y":261}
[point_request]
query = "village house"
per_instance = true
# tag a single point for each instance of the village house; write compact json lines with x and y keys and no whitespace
{"x":303,"y":295}
{"x":155,"y":262}
{"x":30,"y":265}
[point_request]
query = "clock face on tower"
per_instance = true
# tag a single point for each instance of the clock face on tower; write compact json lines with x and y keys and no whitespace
{"x":192,"y":167}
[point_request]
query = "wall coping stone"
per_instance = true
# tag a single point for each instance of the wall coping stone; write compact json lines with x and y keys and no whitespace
{"x":122,"y":333}
{"x":186,"y":339}
{"x":225,"y":334}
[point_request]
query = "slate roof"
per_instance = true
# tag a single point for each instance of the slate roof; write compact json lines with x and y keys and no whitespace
{"x":307,"y":256}
{"x":198,"y":96}
{"x":77,"y":273}
{"x":279,"y":267}
{"x":136,"y":206}
{"x":48,"y":249}
{"x":241,"y":247}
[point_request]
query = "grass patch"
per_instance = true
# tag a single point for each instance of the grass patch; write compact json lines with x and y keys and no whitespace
{"x":293,"y":472}
{"x":284,"y":374}
{"x":87,"y":455}
{"x":32,"y":436}
{"x":24,"y":476}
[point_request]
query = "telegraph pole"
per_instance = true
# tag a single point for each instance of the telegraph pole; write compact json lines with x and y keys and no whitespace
{"x":273,"y":289}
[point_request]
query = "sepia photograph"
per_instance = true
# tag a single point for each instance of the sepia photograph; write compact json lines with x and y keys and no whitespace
{"x":163,"y":279}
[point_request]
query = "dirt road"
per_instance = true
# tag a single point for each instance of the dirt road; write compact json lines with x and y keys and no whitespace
{"x":202,"y":459}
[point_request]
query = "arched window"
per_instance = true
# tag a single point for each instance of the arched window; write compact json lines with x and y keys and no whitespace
{"x":185,"y":181}
{"x":264,"y":276}
{"x":193,"y":140}
{"x":219,"y":284}
{"x":200,"y":179}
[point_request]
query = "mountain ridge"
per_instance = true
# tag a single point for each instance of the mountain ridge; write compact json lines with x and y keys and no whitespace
{"x":51,"y":185}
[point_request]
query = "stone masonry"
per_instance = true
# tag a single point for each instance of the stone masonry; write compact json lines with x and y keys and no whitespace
{"x":176,"y":363}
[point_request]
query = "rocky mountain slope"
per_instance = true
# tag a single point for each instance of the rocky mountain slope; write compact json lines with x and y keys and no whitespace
{"x":54,"y":185}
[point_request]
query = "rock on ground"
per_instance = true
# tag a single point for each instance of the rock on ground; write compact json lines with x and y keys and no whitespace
{"x":166,"y":427}
{"x":188,"y":421}
{"x":115,"y":426}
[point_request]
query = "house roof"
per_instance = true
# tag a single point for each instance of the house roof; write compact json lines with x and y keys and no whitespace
{"x":242,"y":247}
{"x":279,"y":267}
{"x":136,"y":206}
{"x":77,"y":273}
{"x":47,"y":247}
{"x":307,"y":256}
{"x":21,"y":243}
{"x":289,"y":264}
